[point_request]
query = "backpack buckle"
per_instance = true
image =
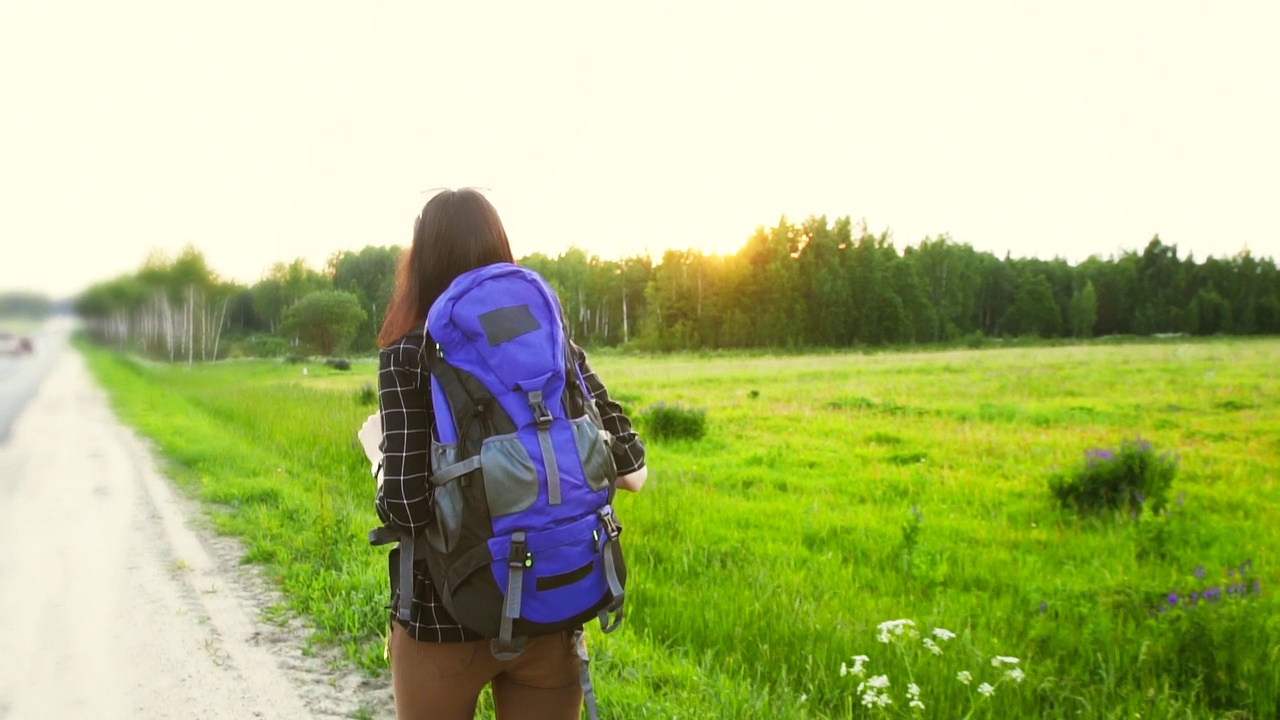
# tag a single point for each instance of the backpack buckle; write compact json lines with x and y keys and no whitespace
{"x":518,"y":556}
{"x":541,"y":415}
{"x":610,"y":521}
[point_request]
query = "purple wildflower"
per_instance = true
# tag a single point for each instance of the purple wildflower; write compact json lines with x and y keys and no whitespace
{"x":1257,"y":587}
{"x":1173,"y":598}
{"x":1199,"y":572}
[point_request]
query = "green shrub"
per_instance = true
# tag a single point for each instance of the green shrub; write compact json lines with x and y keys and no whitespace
{"x":674,"y":422}
{"x":267,"y":346}
{"x":367,"y":394}
{"x":1130,"y":477}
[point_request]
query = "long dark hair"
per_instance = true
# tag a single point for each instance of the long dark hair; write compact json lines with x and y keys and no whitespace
{"x":457,"y":231}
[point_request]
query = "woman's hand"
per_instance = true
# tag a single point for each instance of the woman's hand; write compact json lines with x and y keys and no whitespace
{"x":370,"y":436}
{"x":633,"y":482}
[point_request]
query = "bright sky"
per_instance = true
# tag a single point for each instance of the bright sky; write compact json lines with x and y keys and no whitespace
{"x":266,"y":130}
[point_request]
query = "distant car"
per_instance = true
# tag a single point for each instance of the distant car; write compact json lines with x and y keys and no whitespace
{"x":25,"y":345}
{"x":10,"y":344}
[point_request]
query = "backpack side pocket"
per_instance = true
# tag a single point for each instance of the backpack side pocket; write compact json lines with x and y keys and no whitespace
{"x":447,"y":501}
{"x":510,"y":478}
{"x":593,"y":450}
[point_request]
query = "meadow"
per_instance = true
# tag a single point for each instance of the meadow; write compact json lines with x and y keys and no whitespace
{"x":832,"y":493}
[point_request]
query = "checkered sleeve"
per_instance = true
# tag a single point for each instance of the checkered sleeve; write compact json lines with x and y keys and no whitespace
{"x":628,"y":449}
{"x":404,"y":501}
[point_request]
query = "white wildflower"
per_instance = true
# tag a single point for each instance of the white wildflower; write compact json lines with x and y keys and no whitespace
{"x":879,"y":682}
{"x":857,"y":668}
{"x":913,"y":690}
{"x":916,"y":704}
{"x":943,"y":634}
{"x":986,"y":689}
{"x":999,"y":660}
{"x":1015,"y":675}
{"x":884,"y":700}
{"x":932,"y":646}
{"x":804,"y":696}
{"x":844,"y":669}
{"x":900,"y":628}
{"x":964,"y":677}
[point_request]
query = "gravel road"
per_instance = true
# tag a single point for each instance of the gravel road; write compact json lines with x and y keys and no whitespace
{"x":115,"y":601}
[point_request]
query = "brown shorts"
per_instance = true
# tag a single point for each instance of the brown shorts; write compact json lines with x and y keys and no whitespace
{"x":442,"y":681}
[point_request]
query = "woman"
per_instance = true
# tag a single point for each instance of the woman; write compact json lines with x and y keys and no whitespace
{"x":439,"y":667}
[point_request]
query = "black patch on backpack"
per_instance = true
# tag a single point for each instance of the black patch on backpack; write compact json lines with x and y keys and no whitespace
{"x":508,"y":323}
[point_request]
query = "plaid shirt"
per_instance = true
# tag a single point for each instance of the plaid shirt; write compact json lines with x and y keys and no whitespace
{"x":404,"y":500}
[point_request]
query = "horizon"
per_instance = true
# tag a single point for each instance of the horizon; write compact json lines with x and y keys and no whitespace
{"x":656,"y":259}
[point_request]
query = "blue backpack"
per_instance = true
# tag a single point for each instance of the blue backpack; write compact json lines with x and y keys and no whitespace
{"x":524,"y":540}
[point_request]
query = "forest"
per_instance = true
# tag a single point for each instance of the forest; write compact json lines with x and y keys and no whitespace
{"x":815,"y":284}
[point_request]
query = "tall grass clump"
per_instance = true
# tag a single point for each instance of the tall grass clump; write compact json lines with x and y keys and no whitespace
{"x":674,"y":422}
{"x":1130,"y":476}
{"x":367,"y":395}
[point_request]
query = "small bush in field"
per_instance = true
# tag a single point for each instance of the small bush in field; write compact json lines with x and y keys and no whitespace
{"x":338,"y":363}
{"x":267,"y":346}
{"x":367,"y":394}
{"x":1131,"y":476}
{"x":674,"y":422}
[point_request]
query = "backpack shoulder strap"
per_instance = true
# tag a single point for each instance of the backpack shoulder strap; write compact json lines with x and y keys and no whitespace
{"x":469,"y":400}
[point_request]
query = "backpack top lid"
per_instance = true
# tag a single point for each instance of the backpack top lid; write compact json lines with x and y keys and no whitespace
{"x":502,"y":323}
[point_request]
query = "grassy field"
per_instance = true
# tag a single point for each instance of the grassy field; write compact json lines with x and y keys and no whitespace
{"x":833,"y":493}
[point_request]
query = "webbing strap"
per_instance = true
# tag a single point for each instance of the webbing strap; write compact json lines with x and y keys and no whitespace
{"x":406,"y":545}
{"x":553,"y":470}
{"x":584,"y":674}
{"x":543,"y":418}
{"x":615,"y":588}
{"x":456,"y":470}
{"x":405,"y":603}
{"x":505,"y":648}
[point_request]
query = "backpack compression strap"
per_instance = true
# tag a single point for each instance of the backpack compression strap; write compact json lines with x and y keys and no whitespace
{"x":584,"y":674}
{"x":612,"y":529}
{"x":505,"y":647}
{"x":407,"y":546}
{"x":542,"y":416}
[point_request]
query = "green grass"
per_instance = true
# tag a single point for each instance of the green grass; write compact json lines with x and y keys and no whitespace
{"x":831,"y":493}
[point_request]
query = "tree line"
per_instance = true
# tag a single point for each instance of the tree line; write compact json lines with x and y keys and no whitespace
{"x":812,"y":284}
{"x":25,"y":305}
